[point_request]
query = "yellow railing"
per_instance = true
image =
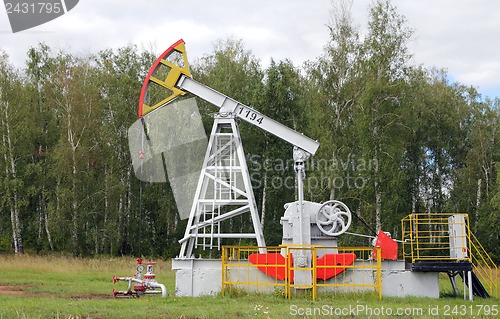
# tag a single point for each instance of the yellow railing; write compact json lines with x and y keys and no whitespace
{"x":434,"y":237}
{"x":239,"y":273}
{"x":483,"y":266}
{"x":426,"y":237}
{"x":362,"y":275}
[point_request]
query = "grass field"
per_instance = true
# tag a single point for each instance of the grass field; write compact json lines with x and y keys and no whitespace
{"x":67,"y":287}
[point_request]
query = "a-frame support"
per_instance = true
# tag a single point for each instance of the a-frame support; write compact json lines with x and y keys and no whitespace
{"x":224,"y":191}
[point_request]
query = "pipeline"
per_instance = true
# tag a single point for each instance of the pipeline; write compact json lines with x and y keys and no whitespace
{"x":145,"y":283}
{"x":161,"y":286}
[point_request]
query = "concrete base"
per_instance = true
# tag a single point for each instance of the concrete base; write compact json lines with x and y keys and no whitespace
{"x":403,"y":283}
{"x":399,"y":281}
{"x":198,"y":277}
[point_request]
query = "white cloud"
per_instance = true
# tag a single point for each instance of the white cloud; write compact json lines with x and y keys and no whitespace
{"x":459,"y":35}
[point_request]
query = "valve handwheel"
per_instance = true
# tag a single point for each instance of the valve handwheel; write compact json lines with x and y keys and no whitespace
{"x":333,"y":218}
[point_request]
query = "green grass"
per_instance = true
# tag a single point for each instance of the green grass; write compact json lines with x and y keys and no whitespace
{"x":66,"y":287}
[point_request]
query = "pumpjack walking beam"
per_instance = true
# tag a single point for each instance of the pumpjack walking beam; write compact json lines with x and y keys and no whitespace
{"x":178,"y":81}
{"x":248,"y":114}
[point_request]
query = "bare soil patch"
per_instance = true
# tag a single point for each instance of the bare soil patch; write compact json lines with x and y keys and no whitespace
{"x":13,"y":290}
{"x":22,"y":291}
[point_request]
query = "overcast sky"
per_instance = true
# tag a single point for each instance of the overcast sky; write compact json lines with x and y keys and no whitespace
{"x":459,"y":35}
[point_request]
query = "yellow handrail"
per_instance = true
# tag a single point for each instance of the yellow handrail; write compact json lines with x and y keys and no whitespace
{"x":483,"y":265}
{"x":426,"y":237}
{"x":239,"y":273}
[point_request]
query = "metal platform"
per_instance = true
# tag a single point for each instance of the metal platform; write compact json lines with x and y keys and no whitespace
{"x":464,"y":269}
{"x":440,"y":266}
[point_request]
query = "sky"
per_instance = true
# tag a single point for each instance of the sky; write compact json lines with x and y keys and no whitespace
{"x":461,"y":36}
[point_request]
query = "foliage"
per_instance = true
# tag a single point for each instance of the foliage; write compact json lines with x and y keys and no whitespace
{"x":395,"y":139}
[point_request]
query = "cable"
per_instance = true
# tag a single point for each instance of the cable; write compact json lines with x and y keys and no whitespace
{"x":141,"y":157}
{"x":364,"y":223}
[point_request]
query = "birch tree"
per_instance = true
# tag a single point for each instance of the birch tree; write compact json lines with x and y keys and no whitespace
{"x":332,"y":88}
{"x":42,"y":138}
{"x":75,"y":97}
{"x":385,"y":64}
{"x":12,"y":184}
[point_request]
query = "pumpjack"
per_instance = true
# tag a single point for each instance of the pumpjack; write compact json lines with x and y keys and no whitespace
{"x":225,"y":181}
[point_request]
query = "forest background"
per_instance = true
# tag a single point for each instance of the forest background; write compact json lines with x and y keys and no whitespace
{"x":396,"y":138}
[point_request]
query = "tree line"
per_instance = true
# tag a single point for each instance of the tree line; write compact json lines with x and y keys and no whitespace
{"x":396,"y":138}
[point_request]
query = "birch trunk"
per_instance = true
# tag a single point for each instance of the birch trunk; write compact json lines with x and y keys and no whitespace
{"x":74,"y":205}
{"x":378,"y":197}
{"x":378,"y":193}
{"x":11,"y":174}
{"x":478,"y":203}
{"x":74,"y":143}
{"x":413,"y":203}
{"x":263,"y":205}
{"x":106,"y":209}
{"x":49,"y":236}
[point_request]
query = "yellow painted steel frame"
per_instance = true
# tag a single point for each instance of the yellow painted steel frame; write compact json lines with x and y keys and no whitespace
{"x":426,"y":238}
{"x":363,"y":263}
{"x":167,"y":81}
{"x":238,"y":272}
{"x":290,"y":252}
{"x":484,"y":267}
{"x":235,"y":259}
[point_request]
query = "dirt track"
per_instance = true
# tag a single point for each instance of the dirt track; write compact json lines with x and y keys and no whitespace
{"x":13,"y":290}
{"x":23,"y":291}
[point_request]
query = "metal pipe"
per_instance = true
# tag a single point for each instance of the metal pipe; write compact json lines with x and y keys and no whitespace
{"x":129,"y":288}
{"x":152,"y":284}
{"x":299,"y":157}
{"x":469,"y":277}
{"x":161,"y":286}
{"x":145,"y":282}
